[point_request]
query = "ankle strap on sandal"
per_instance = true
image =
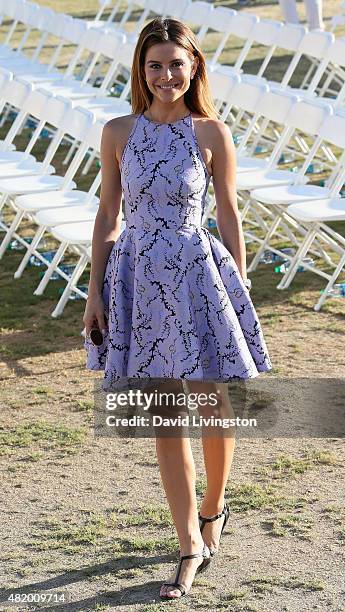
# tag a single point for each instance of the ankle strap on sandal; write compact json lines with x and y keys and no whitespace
{"x":203,"y":553}
{"x":215,"y":517}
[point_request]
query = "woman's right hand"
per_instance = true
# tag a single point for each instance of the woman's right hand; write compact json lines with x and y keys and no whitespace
{"x":94,"y":314}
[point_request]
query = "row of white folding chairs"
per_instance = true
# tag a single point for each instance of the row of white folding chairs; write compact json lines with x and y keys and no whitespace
{"x":26,"y":175}
{"x":314,"y":44}
{"x":269,"y":33}
{"x":115,"y":47}
{"x":242,"y":93}
{"x":29,"y":188}
{"x":102,"y":104}
{"x":230,"y":89}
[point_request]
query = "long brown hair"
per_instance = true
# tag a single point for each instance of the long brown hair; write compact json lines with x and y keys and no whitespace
{"x":198,"y":98}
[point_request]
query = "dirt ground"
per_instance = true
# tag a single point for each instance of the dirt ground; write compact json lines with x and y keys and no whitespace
{"x":87,"y":517}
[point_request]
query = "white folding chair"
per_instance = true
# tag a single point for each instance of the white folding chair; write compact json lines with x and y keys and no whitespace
{"x":56,"y":24}
{"x":317,"y":217}
{"x":313,"y":46}
{"x":13,"y":11}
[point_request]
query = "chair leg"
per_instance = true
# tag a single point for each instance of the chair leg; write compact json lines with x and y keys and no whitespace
{"x":11,"y":230}
{"x":297,"y":259}
{"x":330,"y":284}
{"x":77,"y":272}
{"x":51,"y":269}
{"x":253,"y":265}
{"x":30,"y":251}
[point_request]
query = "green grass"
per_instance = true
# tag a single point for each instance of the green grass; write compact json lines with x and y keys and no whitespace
{"x":248,"y":496}
{"x":337,"y":515}
{"x":139,"y":544}
{"x":83,"y":406}
{"x":267,"y":584}
{"x":156,"y":515}
{"x":296,"y":525}
{"x":45,"y":435}
{"x":285,"y":466}
{"x":54,"y":535}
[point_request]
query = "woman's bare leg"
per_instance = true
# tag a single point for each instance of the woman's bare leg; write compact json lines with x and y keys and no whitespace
{"x":178,"y":476}
{"x":218,"y":449}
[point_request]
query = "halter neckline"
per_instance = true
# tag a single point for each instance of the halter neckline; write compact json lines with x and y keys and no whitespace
{"x":170,"y":123}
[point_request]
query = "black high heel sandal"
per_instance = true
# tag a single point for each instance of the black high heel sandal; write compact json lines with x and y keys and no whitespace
{"x":202,"y":567}
{"x":203,"y":520}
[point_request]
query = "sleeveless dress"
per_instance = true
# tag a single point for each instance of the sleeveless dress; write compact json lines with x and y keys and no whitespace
{"x":176,"y":303}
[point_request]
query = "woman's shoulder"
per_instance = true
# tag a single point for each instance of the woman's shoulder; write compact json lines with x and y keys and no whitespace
{"x":214,"y":127}
{"x":214,"y":131}
{"x":118,"y":124}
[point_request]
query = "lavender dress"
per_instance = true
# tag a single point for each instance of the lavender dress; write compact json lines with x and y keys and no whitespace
{"x":175,"y":301}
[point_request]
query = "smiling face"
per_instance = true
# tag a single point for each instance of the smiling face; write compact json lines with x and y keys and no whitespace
{"x":168,"y":70}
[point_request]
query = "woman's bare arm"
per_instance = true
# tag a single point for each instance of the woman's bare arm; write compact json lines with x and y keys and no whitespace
{"x":107,"y":225}
{"x":224,"y":181}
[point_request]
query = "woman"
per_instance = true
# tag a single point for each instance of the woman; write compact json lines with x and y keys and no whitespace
{"x":178,"y":309}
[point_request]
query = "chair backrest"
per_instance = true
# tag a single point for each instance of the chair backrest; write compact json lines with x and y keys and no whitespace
{"x":291,"y":36}
{"x":3,"y":8}
{"x":17,"y":91}
{"x":222,"y":83}
{"x":11,"y":9}
{"x":43,"y":18}
{"x":176,"y":8}
{"x":56,"y":110}
{"x":77,"y":122}
{"x":198,"y":13}
{"x":247,"y":94}
{"x":110,"y":44}
{"x":90,"y":39}
{"x":5,"y":78}
{"x":336,"y":52}
{"x":60,"y":25}
{"x":243,"y":24}
{"x":275,"y":105}
{"x":316,"y":44}
{"x":126,"y":51}
{"x":266,"y":32}
{"x":28,"y":13}
{"x":221,"y":19}
{"x":76,"y":31}
{"x":35,"y":103}
{"x":333,"y":129}
{"x":309,"y":115}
